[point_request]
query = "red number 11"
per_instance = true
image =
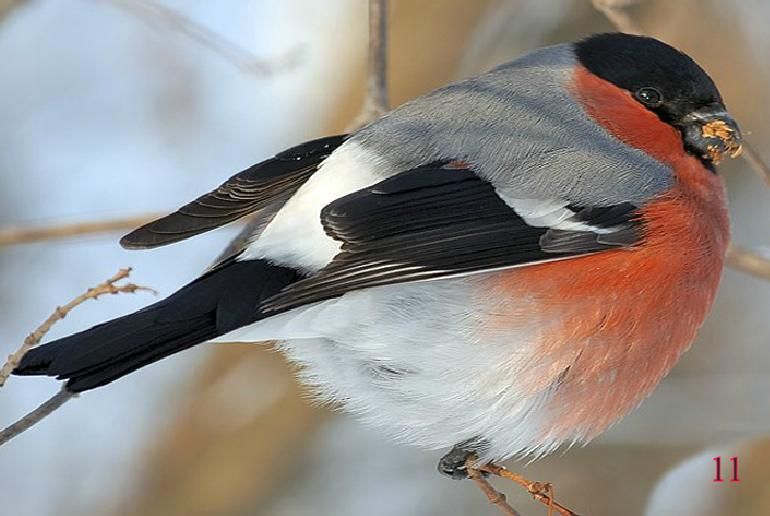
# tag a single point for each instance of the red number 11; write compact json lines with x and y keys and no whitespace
{"x":718,"y":477}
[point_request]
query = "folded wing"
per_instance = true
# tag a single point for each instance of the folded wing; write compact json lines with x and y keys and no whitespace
{"x":270,"y":181}
{"x":440,"y":220}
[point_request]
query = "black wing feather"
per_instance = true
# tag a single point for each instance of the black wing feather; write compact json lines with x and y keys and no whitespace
{"x":272,"y":180}
{"x":435,"y":222}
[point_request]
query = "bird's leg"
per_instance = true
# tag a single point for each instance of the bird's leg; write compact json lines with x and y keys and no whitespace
{"x":454,"y":463}
{"x":461,"y":463}
{"x":540,"y":491}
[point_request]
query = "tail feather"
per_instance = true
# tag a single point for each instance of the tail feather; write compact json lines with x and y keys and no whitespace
{"x":222,"y":300}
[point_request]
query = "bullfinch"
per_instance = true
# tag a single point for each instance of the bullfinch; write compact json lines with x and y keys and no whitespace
{"x":503,"y":266}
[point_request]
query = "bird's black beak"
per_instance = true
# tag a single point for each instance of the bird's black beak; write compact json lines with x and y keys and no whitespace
{"x":712,"y":133}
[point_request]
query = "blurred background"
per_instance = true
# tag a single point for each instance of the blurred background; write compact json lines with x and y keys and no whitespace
{"x":120,"y":108}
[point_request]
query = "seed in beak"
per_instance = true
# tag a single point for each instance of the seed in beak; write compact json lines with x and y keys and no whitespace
{"x":728,"y":137}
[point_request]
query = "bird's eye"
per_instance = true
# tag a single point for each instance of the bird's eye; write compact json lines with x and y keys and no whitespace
{"x":649,"y":97}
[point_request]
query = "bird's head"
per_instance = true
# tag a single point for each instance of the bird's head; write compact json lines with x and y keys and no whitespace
{"x":670,"y":84}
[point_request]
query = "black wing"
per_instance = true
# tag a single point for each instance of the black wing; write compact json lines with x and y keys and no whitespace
{"x":437,"y":221}
{"x":246,"y":192}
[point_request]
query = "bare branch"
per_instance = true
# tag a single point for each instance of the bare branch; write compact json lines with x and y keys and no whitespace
{"x":756,"y":163}
{"x":106,"y":287}
{"x":156,"y":13}
{"x":378,"y":56}
{"x":375,"y":105}
{"x":376,"y":102}
{"x":8,"y":6}
{"x":495,"y":497}
{"x":615,"y":11}
{"x":748,"y":261}
{"x":542,"y":492}
{"x":25,"y":235}
{"x":48,"y":407}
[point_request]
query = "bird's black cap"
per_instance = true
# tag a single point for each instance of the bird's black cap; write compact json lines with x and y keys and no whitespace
{"x":635,"y":62}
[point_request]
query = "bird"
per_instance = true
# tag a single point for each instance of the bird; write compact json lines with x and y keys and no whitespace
{"x":499,"y":268}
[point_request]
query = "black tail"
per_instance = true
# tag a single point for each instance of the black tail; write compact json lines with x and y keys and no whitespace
{"x":222,"y":300}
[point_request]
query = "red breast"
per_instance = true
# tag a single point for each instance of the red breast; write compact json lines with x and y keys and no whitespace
{"x":618,"y":321}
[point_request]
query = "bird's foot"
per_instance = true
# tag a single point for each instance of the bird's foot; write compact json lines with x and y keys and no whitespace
{"x":454,"y":463}
{"x":461,"y":463}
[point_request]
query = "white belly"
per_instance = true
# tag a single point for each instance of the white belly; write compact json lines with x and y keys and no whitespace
{"x":408,"y":359}
{"x":416,"y":362}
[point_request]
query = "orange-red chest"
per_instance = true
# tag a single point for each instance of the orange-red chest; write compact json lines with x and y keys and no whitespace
{"x":616,"y":322}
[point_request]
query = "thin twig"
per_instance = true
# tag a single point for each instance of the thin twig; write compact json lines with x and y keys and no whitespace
{"x":59,"y":399}
{"x":494,"y":496}
{"x":8,"y":6}
{"x":541,"y":492}
{"x":615,"y":11}
{"x":376,"y":102}
{"x":378,"y":56}
{"x":44,"y":410}
{"x":748,"y":261}
{"x":154,"y":12}
{"x":24,"y":235}
{"x":107,"y":287}
{"x":755,"y":162}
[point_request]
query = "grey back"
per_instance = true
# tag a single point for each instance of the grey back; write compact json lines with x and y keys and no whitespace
{"x":523,"y":131}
